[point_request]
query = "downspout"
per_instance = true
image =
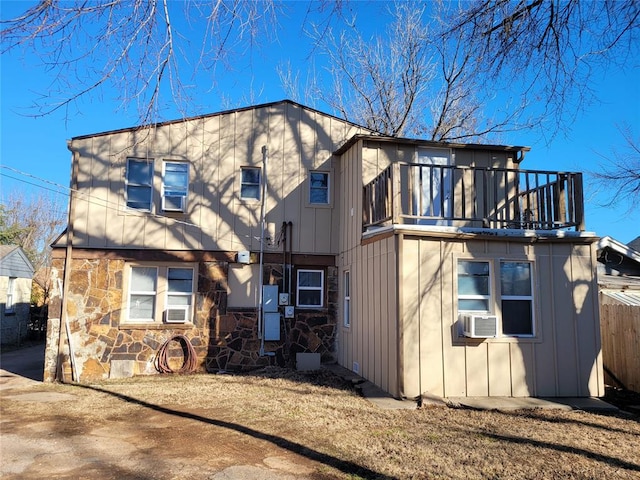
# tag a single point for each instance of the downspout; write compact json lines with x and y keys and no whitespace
{"x":283,"y":232}
{"x":64,"y":320}
{"x":265,"y":156}
{"x":290,"y":240}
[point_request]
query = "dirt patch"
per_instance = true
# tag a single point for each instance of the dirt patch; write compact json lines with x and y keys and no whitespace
{"x":279,"y":423}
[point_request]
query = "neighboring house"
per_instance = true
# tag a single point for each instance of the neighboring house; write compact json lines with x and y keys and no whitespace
{"x":619,"y":290}
{"x":16,"y":274}
{"x":618,"y":273}
{"x":427,"y":268}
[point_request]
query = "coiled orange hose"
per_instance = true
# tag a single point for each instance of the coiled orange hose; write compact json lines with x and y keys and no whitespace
{"x":190,"y":357}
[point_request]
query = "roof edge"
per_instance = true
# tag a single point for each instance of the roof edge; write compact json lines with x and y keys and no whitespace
{"x":432,"y":143}
{"x":210,"y":115}
{"x":621,"y":248}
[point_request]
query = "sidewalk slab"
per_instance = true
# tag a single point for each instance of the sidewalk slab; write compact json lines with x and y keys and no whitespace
{"x":589,"y":404}
{"x":371,"y":392}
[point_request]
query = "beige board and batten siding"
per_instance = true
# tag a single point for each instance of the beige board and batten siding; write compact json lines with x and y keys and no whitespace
{"x":370,"y":345}
{"x":216,"y":147}
{"x":563,"y":359}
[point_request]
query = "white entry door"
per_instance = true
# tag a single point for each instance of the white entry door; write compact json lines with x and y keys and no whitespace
{"x":433,"y":186}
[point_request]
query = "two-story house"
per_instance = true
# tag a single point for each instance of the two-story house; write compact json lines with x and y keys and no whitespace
{"x":263,"y":232}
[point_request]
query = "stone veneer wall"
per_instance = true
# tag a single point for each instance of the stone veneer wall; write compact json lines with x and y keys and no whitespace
{"x":235,"y":344}
{"x":223,"y":339}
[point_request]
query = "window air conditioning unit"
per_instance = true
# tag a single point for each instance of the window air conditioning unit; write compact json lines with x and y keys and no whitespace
{"x":173,"y":203}
{"x":177,"y":314}
{"x":479,"y":325}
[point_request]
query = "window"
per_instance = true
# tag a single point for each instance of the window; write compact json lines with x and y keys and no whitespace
{"x":319,"y":188}
{"x":513,"y":298}
{"x":142,"y":293}
{"x":310,"y":288}
{"x":474,"y":286}
{"x":139,"y":184}
{"x":517,"y":298}
{"x":160,"y":294}
{"x":250,"y":183}
{"x":347,"y":299}
{"x":179,"y":294}
{"x":11,"y":296}
{"x":175,"y":185}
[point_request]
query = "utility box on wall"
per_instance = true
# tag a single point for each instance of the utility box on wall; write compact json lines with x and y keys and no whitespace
{"x":270,"y":298}
{"x":244,"y":256}
{"x":271,"y":327}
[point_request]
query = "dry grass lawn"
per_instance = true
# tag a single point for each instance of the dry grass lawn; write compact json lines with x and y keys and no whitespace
{"x":320,"y":418}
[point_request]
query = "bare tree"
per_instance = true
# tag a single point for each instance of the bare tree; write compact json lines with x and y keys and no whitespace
{"x":475,"y":70}
{"x":619,"y":173}
{"x":137,"y":46}
{"x":407,"y":80}
{"x":446,"y":70}
{"x":545,"y":51}
{"x":379,"y":82}
{"x":33,"y":224}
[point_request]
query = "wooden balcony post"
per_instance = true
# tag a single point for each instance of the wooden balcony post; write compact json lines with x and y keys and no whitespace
{"x":396,"y":193}
{"x":579,"y":202}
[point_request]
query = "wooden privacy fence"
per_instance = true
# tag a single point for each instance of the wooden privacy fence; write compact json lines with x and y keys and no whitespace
{"x":620,"y":328}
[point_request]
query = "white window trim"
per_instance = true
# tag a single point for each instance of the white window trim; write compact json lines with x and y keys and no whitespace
{"x":128,"y":183}
{"x":320,"y":288}
{"x":530,"y":298}
{"x":186,"y":193}
{"x":490,"y":297}
{"x":131,"y":292}
{"x":189,"y":306}
{"x":346,"y":309}
{"x":496,"y":297}
{"x":10,"y":304}
{"x":161,"y":294}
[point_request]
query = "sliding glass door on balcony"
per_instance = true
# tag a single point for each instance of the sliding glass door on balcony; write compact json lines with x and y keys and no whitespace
{"x":432,"y":187}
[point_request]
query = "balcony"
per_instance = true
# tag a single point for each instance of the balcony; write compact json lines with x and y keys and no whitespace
{"x":492,"y":198}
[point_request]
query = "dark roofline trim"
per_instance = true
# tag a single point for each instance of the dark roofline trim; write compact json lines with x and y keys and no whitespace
{"x":431,"y":143}
{"x":211,"y":115}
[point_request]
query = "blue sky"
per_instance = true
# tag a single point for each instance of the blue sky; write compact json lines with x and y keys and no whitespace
{"x":37,"y":146}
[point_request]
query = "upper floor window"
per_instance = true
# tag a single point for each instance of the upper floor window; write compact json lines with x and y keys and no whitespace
{"x":310,"y":288}
{"x":319,"y":187}
{"x":250,"y":183}
{"x":175,"y":185}
{"x":139,"y":184}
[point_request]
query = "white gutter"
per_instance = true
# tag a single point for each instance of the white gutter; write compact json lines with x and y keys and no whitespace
{"x":470,"y":232}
